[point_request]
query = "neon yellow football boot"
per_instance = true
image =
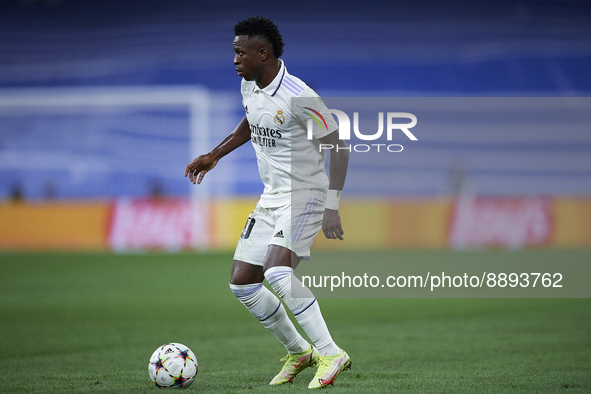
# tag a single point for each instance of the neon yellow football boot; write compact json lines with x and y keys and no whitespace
{"x":328,"y":369}
{"x":295,"y":363}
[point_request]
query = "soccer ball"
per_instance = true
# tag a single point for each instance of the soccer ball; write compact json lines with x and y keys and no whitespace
{"x":173,"y":365}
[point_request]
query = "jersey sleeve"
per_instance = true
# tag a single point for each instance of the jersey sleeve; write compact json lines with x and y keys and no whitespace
{"x":310,"y":109}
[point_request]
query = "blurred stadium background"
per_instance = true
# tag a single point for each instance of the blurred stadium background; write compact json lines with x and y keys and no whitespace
{"x":103,"y":103}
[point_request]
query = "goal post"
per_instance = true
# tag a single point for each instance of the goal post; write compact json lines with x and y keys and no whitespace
{"x":70,"y":105}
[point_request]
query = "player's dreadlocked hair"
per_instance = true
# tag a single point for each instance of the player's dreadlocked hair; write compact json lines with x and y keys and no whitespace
{"x":256,"y":26}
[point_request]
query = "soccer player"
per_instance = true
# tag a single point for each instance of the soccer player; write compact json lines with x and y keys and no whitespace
{"x":298,"y":199}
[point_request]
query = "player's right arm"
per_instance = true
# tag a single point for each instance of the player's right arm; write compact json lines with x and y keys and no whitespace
{"x":197,"y":169}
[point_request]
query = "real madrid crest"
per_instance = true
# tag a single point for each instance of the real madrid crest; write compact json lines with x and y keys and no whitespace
{"x":279,"y":118}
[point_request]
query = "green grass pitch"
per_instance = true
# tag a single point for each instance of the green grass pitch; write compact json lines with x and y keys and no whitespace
{"x":84,"y":322}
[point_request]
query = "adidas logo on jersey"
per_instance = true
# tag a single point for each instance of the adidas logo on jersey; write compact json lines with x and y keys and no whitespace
{"x":279,"y":234}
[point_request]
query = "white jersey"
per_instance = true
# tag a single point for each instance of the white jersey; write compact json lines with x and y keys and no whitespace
{"x":288,"y":161}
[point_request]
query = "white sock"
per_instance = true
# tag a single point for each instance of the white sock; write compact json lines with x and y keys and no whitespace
{"x":306,"y":310}
{"x":270,"y":312}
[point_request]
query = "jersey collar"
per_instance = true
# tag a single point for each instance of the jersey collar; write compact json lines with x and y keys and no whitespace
{"x":274,"y":86}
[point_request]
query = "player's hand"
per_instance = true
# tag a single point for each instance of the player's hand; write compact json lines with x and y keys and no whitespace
{"x":197,"y":169}
{"x":331,"y":224}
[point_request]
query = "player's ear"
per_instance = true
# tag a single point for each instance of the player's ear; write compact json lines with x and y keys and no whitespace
{"x":264,"y":54}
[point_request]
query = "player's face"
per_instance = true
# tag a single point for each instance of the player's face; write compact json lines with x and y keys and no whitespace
{"x":248,"y":59}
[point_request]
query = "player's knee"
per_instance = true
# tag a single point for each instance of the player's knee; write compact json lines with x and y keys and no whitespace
{"x":244,"y":273}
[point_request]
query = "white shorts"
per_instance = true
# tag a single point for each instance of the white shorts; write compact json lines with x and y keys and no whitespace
{"x":273,"y":226}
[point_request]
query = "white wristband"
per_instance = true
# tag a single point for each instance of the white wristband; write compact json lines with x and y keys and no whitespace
{"x":332,"y":199}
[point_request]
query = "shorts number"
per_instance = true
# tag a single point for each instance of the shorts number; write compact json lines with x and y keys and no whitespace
{"x":247,"y":228}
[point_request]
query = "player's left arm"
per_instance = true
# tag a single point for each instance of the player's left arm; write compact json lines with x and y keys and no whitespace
{"x":339,"y":160}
